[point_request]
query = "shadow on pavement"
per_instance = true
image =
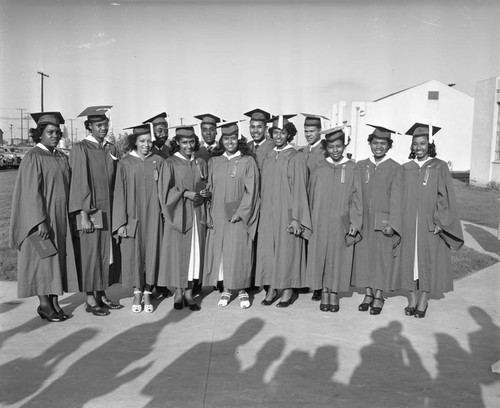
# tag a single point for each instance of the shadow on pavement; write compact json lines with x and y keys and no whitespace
{"x":100,"y":372}
{"x":27,"y":375}
{"x":487,"y":240}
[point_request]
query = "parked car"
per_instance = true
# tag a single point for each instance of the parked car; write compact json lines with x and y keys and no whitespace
{"x":21,"y":151}
{"x":10,"y":158}
{"x":2,"y":162}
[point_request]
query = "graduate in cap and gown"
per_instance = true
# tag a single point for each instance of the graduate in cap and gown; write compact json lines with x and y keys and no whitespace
{"x":382,"y":185}
{"x":137,"y":216}
{"x":431,"y":226}
{"x":93,"y":164}
{"x":285,"y":223}
{"x":336,"y":204}
{"x":161,"y":144}
{"x":260,"y":145}
{"x":316,"y":147}
{"x":208,"y":128}
{"x":182,"y":192}
{"x":233,"y":180}
{"x":314,"y":151}
{"x":39,"y":215}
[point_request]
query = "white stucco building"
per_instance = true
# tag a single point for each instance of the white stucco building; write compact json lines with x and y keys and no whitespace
{"x":430,"y":102}
{"x":485,"y":149}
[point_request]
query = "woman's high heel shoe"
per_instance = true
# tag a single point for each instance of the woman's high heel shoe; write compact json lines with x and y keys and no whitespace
{"x":179,"y":303}
{"x":137,"y":308}
{"x":410,"y":310}
{"x":363,"y":307}
{"x":148,"y":308}
{"x":375,"y":310}
{"x":52,"y":317}
{"x":420,"y":314}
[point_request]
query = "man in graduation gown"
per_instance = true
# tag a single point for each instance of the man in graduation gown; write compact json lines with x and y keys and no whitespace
{"x":93,"y":164}
{"x":315,"y":149}
{"x":161,"y":144}
{"x":210,"y":147}
{"x":260,"y":145}
{"x":314,"y":152}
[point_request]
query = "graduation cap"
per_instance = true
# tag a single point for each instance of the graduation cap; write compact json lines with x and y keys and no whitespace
{"x":259,"y":115}
{"x":51,"y":118}
{"x":313,"y":120}
{"x":96,"y":113}
{"x":281,"y":120}
{"x":422,"y":129}
{"x":231,"y":128}
{"x":334,"y":133}
{"x":184,"y":130}
{"x":381,"y":132}
{"x":160,"y":118}
{"x":208,"y":118}
{"x":143,"y":129}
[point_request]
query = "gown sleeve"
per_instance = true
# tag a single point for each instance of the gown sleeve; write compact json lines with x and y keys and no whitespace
{"x":120,"y":198}
{"x":28,"y":205}
{"x":300,"y":206}
{"x":446,"y":213}
{"x":356,"y":201}
{"x":80,"y":194}
{"x":171,"y":198}
{"x":395,"y":205}
{"x":249,"y":207}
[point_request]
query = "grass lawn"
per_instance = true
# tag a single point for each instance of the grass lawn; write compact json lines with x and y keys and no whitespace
{"x":478,"y":205}
{"x":8,"y":257}
{"x":475,"y":205}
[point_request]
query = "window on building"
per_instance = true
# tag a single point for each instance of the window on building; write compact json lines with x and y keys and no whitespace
{"x":433,"y":95}
{"x":497,"y":144}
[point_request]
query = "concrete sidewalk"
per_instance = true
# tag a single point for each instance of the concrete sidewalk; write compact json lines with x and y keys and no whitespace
{"x":260,"y":357}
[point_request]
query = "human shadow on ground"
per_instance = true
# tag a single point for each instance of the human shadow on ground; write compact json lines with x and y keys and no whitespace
{"x":104,"y":369}
{"x":23,"y":377}
{"x":8,"y":306}
{"x":462,"y":373}
{"x":175,"y":386}
{"x":391,"y":373}
{"x":69,"y":304}
{"x":487,"y":240}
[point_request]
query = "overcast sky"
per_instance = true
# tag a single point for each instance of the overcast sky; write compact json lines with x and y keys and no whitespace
{"x":228,"y":56}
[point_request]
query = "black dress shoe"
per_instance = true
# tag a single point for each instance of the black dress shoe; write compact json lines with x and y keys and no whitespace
{"x":63,"y":314}
{"x":286,"y":303}
{"x":105,"y":302}
{"x":375,"y":310}
{"x":51,"y":317}
{"x":178,"y":305}
{"x":363,"y":307}
{"x":420,"y":314}
{"x":266,"y":302}
{"x":316,"y":295}
{"x":95,"y":310}
{"x":325,"y":307}
{"x":194,"y":307}
{"x":334,"y":308}
{"x":410,"y":311}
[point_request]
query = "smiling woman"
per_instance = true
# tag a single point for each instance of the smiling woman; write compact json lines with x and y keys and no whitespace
{"x":40,"y":228}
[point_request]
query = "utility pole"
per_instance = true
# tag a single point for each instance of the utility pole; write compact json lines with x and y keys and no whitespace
{"x":41,"y":77}
{"x":21,"y":109}
{"x":11,"y":140}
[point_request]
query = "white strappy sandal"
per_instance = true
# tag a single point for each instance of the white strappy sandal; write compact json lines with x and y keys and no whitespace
{"x":148,"y":308}
{"x":137,"y":308}
{"x":224,"y":299}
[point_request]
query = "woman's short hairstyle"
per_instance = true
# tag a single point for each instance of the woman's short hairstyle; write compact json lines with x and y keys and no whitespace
{"x":175,"y":146}
{"x":36,"y":133}
{"x":432,"y":151}
{"x":290,"y":129}
{"x":372,"y":136}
